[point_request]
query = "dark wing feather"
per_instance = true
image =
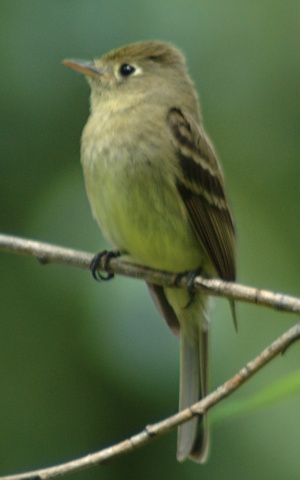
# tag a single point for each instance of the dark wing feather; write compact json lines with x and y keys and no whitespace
{"x":201,"y":186}
{"x":164,"y":307}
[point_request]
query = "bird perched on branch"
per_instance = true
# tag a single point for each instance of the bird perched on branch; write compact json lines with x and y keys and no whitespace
{"x":157,"y":191}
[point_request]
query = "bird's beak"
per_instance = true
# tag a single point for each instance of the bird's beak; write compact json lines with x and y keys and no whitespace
{"x":87,"y":68}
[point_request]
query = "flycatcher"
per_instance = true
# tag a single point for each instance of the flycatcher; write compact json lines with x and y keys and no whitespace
{"x":157,"y":191}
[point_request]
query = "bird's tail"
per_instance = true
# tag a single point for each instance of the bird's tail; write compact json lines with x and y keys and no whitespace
{"x":193,"y":436}
{"x":189,"y":320}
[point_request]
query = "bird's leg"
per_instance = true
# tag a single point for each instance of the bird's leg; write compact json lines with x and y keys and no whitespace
{"x":96,"y":261}
{"x":190,"y":283}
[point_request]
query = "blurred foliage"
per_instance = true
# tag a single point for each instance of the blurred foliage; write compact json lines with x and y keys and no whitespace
{"x":282,"y":389}
{"x":84,"y":365}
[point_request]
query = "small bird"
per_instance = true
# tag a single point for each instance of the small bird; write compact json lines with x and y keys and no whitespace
{"x":157,"y":191}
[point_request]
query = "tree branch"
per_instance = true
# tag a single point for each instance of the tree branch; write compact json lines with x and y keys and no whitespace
{"x":158,"y":429}
{"x":47,"y":253}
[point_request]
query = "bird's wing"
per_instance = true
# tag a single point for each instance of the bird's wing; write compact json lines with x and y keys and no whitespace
{"x":201,"y":186}
{"x":163,"y":306}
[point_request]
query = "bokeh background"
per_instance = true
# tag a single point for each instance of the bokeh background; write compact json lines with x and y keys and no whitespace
{"x":84,"y":365}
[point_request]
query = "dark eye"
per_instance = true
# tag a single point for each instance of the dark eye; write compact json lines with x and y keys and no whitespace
{"x":126,"y":70}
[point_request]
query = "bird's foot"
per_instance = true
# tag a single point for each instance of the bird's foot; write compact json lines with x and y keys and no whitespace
{"x":96,"y":261}
{"x":190,"y":283}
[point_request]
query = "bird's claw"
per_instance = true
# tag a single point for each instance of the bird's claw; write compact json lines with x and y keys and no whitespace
{"x":96,"y":261}
{"x":190,"y":283}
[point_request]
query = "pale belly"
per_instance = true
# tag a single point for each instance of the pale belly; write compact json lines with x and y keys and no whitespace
{"x":141,"y":213}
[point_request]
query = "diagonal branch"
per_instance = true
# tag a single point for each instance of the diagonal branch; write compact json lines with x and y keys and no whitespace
{"x":158,"y":429}
{"x":47,"y":253}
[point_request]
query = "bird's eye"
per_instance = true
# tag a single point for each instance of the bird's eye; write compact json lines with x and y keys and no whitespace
{"x":126,"y":70}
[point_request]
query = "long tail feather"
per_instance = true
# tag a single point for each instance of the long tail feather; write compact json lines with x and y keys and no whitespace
{"x":189,"y":320}
{"x":193,"y":436}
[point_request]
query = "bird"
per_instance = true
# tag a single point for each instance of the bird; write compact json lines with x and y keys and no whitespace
{"x":157,"y":191}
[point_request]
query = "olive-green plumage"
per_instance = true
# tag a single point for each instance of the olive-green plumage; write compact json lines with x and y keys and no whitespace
{"x":157,"y":191}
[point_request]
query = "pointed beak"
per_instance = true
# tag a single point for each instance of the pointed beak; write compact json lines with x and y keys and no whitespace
{"x":87,"y":68}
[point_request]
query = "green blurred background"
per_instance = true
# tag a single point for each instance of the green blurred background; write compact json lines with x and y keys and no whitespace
{"x":84,"y":365}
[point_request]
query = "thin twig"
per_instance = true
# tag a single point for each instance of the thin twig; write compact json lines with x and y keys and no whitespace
{"x":47,"y":253}
{"x":158,"y":429}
